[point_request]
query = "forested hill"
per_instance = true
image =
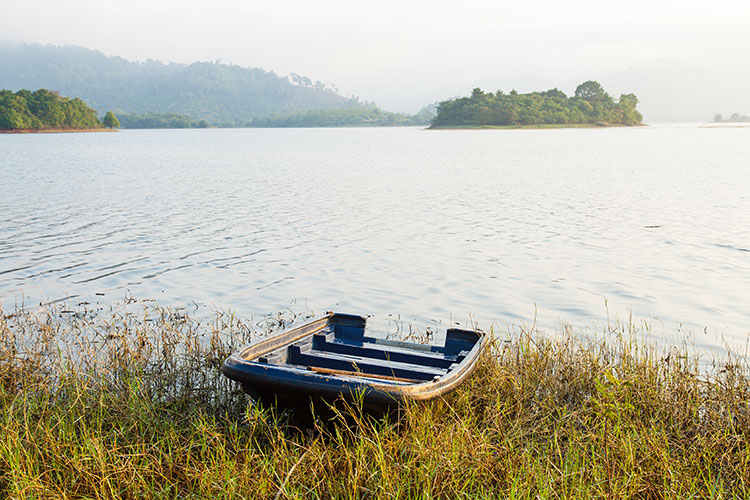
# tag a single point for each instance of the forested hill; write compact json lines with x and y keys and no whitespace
{"x":589,"y":106}
{"x":219,"y":93}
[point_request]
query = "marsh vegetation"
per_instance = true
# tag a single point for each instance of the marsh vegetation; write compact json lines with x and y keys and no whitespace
{"x":118,"y":405}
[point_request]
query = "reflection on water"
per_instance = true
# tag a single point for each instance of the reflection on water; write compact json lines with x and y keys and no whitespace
{"x":435,"y":226}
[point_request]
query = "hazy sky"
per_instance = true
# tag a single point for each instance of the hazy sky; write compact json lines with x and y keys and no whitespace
{"x":401,"y":54}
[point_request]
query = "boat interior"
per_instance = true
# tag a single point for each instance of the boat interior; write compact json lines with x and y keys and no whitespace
{"x":340,"y":347}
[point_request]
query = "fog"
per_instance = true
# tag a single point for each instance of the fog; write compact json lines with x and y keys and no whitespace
{"x":685,"y":60}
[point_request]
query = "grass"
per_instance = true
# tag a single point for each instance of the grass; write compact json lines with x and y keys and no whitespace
{"x":110,"y":406}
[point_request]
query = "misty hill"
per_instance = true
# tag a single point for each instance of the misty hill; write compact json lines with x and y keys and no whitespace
{"x":735,"y":118}
{"x":676,"y":91}
{"x":219,"y":93}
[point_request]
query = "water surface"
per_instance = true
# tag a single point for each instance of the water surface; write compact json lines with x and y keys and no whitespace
{"x":434,"y":226}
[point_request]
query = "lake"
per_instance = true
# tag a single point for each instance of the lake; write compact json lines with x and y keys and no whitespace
{"x":433,"y":227}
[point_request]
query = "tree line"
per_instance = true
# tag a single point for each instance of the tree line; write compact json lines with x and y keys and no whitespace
{"x":44,"y":109}
{"x":160,"y":120}
{"x":590,"y":105}
{"x":356,"y":116}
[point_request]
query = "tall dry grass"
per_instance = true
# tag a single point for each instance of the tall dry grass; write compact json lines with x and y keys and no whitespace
{"x":111,"y":406}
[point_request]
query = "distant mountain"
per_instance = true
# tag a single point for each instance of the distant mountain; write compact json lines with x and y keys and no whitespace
{"x":218,"y":93}
{"x":675,"y":91}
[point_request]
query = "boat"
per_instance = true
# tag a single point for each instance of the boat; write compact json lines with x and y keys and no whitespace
{"x":334,"y":357}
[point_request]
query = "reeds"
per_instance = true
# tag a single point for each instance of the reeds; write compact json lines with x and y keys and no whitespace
{"x":119,"y":406}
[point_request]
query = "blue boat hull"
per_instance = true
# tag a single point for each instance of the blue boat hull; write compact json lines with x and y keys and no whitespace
{"x":333,"y":357}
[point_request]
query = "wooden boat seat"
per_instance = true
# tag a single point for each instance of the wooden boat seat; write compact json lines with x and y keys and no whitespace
{"x":336,"y":361}
{"x":328,"y":343}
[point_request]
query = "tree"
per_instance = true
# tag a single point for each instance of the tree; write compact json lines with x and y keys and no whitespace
{"x":43,"y":110}
{"x":110,"y":120}
{"x":625,"y":111}
{"x":591,"y":91}
{"x":555,"y":93}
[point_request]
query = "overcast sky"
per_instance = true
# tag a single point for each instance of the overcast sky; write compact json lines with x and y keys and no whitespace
{"x":402,"y":54}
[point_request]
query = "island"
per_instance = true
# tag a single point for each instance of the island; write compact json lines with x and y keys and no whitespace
{"x":47,"y":111}
{"x":735,"y":118}
{"x":590,"y":106}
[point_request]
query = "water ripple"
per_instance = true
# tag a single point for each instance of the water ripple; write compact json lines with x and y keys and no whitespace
{"x":503,"y":226}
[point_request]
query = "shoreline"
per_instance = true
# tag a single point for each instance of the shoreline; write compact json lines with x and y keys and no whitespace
{"x":57,"y":130}
{"x":542,"y":126}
